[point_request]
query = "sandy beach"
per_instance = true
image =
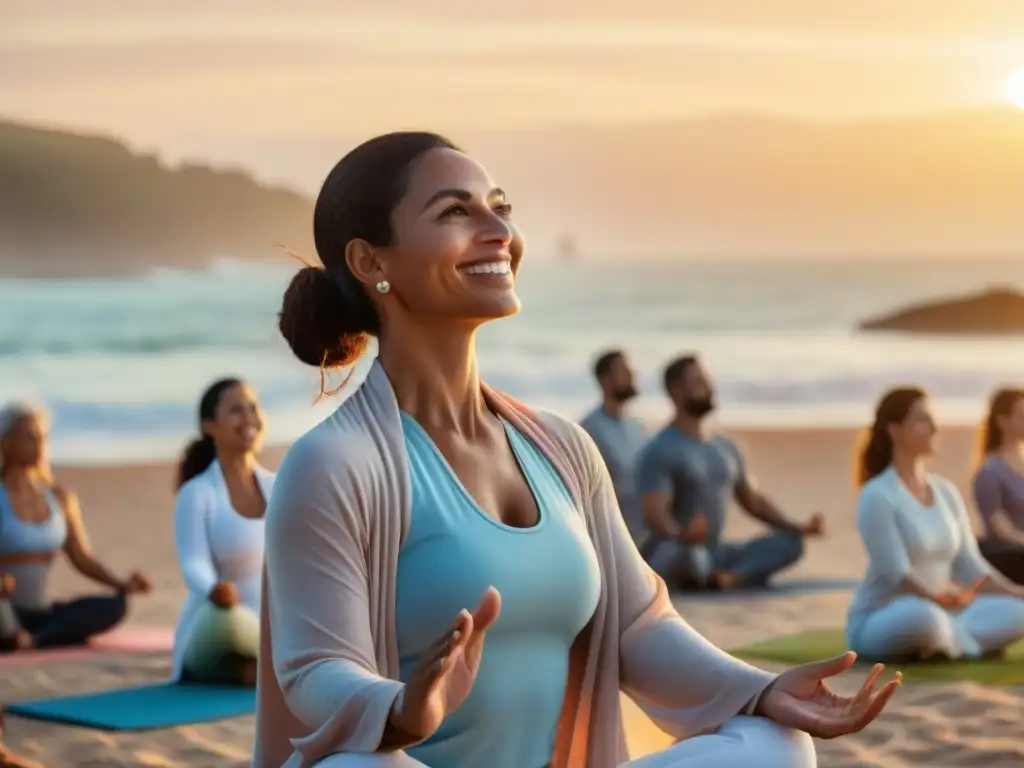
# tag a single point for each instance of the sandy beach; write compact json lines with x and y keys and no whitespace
{"x":128,"y":512}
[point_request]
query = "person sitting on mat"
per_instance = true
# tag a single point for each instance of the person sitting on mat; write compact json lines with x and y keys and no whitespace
{"x":38,"y":520}
{"x":618,"y":436}
{"x":218,"y":533}
{"x":687,"y":478}
{"x":999,"y":484}
{"x":395,"y":522}
{"x":928,"y":592}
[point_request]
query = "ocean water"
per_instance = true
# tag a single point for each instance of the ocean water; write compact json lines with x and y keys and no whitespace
{"x":120,"y":363}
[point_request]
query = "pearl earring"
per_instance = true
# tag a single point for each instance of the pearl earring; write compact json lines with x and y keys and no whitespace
{"x":383,"y":286}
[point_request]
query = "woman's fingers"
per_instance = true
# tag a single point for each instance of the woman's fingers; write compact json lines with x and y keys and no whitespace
{"x":864,"y":694}
{"x":819,"y":670}
{"x":487,"y":609}
{"x":456,"y":636}
{"x":853,"y":720}
{"x":877,"y":703}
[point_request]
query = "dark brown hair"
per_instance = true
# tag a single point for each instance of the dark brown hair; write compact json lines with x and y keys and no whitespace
{"x":606,"y":361}
{"x":200,"y":453}
{"x":675,"y":370}
{"x":327,"y":317}
{"x":874,"y":452}
{"x":1000,"y":405}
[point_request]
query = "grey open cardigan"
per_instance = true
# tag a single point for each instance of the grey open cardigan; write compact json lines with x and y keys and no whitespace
{"x":328,"y":669}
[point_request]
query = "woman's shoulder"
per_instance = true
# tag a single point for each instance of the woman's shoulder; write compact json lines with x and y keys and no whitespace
{"x":63,"y":495}
{"x":64,"y":499}
{"x":880,"y":488}
{"x":569,"y":435}
{"x":200,"y":484}
{"x":337,"y":447}
{"x":992,"y":468}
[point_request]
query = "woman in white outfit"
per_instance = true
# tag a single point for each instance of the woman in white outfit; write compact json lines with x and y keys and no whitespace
{"x":218,"y":533}
{"x":928,"y":591}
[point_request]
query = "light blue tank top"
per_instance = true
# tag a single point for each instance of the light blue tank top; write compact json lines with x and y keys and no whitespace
{"x":20,"y":538}
{"x":549,"y":581}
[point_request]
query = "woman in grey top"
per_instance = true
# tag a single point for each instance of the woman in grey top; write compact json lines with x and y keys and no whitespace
{"x":999,"y":483}
{"x":928,"y":592}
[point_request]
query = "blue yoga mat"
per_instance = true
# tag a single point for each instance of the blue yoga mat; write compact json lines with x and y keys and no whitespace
{"x":779,"y":587}
{"x":144,"y":708}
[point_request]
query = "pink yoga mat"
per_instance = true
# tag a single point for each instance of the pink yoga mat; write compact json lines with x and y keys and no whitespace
{"x":120,"y":640}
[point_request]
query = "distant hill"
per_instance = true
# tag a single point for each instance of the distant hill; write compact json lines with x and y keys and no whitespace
{"x":998,"y":311}
{"x":77,"y":205}
{"x":737,"y":184}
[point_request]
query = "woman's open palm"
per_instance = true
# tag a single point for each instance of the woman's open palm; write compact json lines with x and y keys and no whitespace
{"x":800,"y":698}
{"x":445,"y":674}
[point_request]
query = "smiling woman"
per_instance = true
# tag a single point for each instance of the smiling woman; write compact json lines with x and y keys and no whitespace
{"x":431,"y":514}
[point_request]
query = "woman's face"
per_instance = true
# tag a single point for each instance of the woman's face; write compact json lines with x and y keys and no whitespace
{"x":25,"y":444}
{"x":915,"y":435}
{"x":237,"y":426}
{"x":455,"y":252}
{"x":1012,"y":425}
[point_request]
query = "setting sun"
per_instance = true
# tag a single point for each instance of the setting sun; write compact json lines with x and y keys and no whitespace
{"x":1014,"y":87}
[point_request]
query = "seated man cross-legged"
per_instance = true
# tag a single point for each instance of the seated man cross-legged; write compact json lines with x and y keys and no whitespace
{"x":687,"y":479}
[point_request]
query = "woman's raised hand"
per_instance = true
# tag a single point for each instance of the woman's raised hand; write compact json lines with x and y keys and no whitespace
{"x":801,"y":698}
{"x":446,"y":671}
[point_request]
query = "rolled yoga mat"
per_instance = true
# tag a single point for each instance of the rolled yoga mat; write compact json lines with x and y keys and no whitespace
{"x":824,"y":643}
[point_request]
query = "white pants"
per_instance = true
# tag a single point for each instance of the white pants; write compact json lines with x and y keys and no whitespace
{"x":743,"y":742}
{"x":911,"y":625}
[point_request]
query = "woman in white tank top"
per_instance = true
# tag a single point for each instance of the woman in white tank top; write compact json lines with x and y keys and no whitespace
{"x":218,"y":533}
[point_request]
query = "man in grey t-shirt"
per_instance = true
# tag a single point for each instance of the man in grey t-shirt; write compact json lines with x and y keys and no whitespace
{"x":687,"y":479}
{"x":618,"y":437}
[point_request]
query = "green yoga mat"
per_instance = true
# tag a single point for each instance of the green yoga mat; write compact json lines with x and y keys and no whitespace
{"x":823,"y":643}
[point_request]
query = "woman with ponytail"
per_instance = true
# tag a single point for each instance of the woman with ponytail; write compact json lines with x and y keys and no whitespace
{"x":999,"y":483}
{"x":928,"y":591}
{"x":218,"y":533}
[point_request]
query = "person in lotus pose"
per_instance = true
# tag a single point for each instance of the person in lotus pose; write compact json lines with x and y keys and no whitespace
{"x":928,"y":592}
{"x":449,"y":581}
{"x":999,"y":484}
{"x":218,"y":532}
{"x":688,"y":477}
{"x":40,"y":520}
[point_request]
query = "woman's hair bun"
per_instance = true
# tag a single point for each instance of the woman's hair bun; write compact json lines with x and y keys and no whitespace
{"x":323,"y":327}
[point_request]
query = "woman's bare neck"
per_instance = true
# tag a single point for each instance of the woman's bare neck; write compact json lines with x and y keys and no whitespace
{"x":237,"y":466}
{"x":436,"y":380}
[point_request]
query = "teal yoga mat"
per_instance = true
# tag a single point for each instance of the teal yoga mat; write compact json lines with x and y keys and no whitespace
{"x":142,"y":708}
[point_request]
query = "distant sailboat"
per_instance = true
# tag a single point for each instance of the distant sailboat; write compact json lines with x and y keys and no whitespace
{"x":568,"y":249}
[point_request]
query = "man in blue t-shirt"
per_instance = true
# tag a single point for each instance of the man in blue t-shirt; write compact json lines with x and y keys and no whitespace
{"x":618,"y":436}
{"x":687,"y":478}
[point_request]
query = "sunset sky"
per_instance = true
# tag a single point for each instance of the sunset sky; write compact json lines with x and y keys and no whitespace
{"x":284,"y":88}
{"x":184,"y":72}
